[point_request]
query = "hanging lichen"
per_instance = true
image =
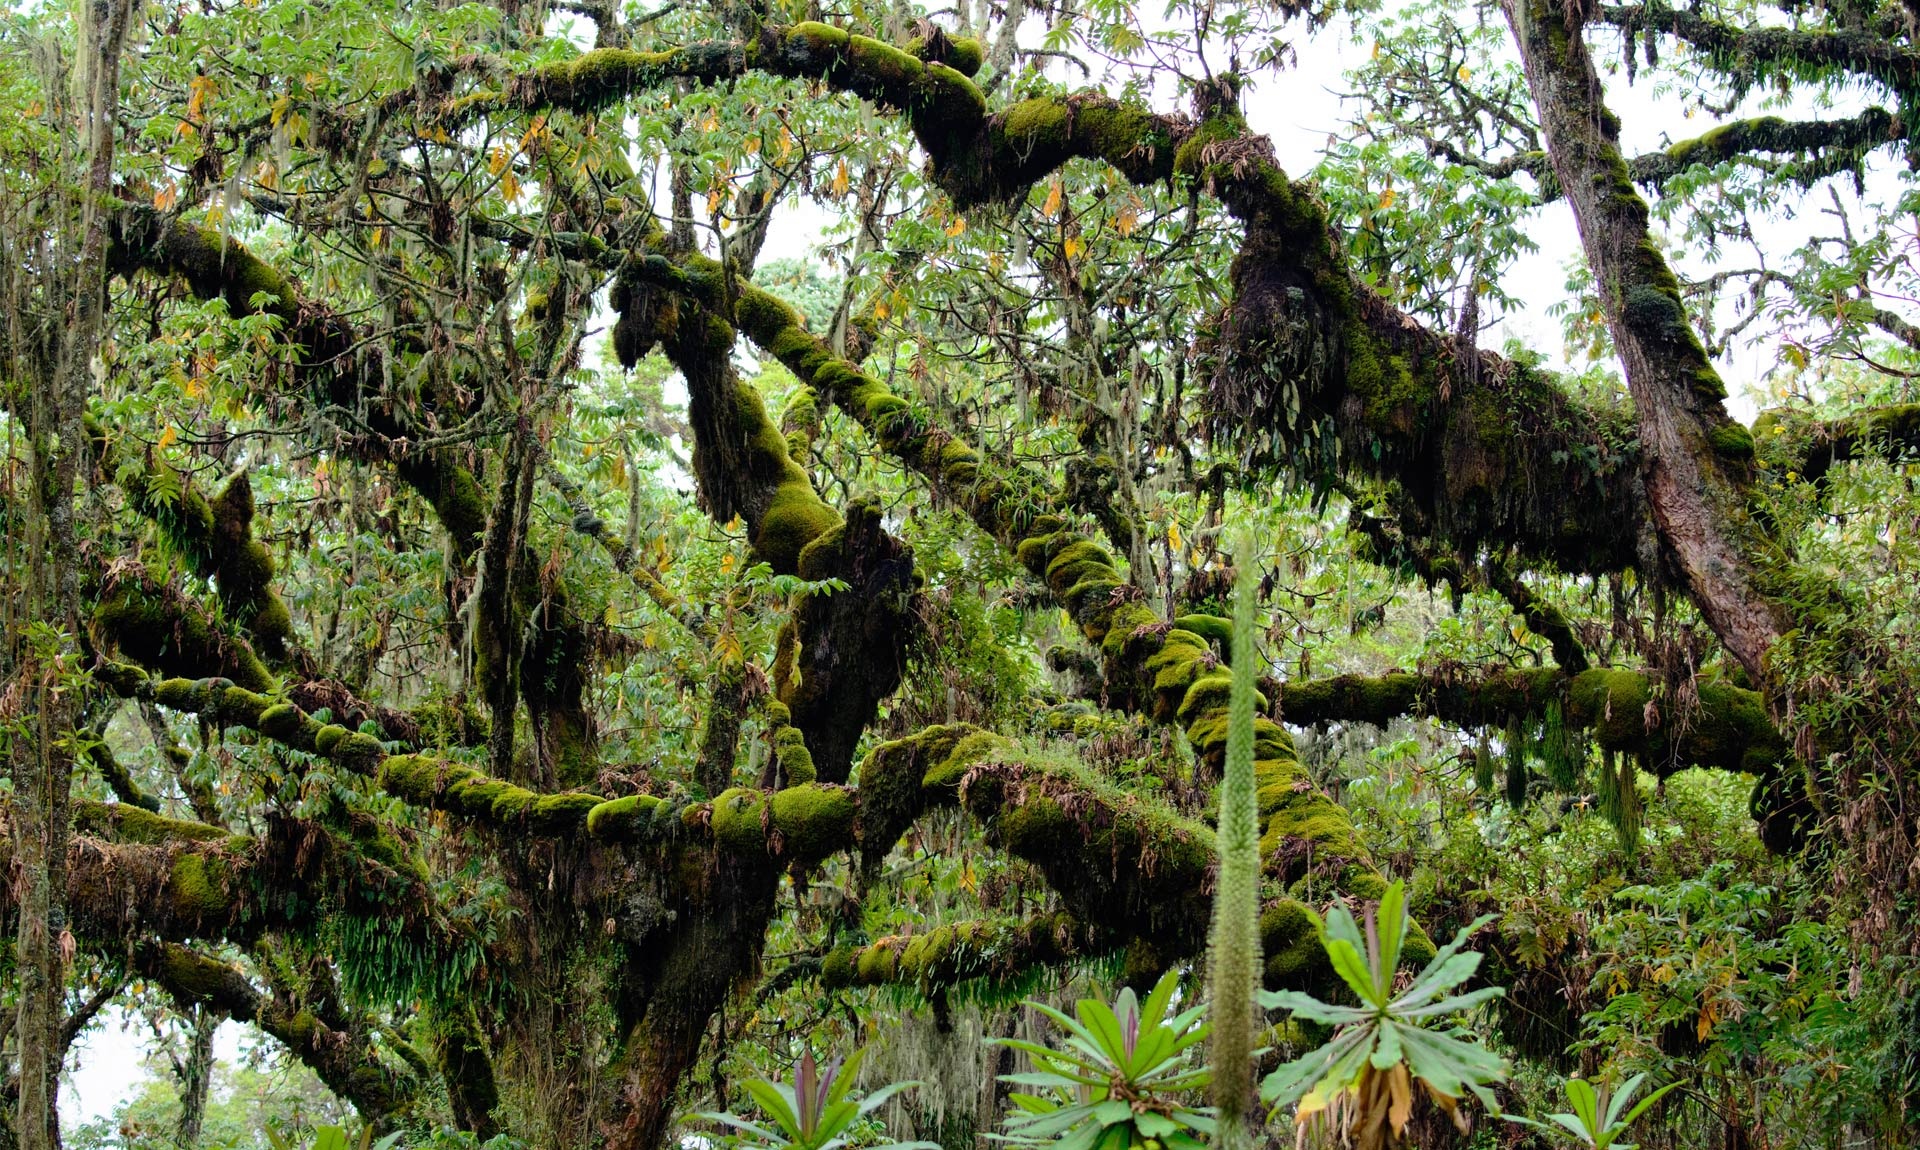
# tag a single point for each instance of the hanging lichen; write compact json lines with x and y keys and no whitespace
{"x":1563,"y":750}
{"x":1618,"y":797}
{"x":1482,"y":765}
{"x":1516,"y":765}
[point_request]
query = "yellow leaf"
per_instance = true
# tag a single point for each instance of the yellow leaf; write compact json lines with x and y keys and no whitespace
{"x":1073,"y":247}
{"x":1128,"y":217}
{"x":1173,"y":537}
{"x":165,"y":197}
{"x":1386,"y":199}
{"x":280,"y":107}
{"x":840,"y":179}
{"x":1465,"y":73}
{"x":200,"y":89}
{"x":880,"y":310}
{"x":958,"y":226}
{"x":612,"y":616}
{"x":1054,"y":197}
{"x":510,"y":185}
{"x":726,"y":563}
{"x":168,"y":434}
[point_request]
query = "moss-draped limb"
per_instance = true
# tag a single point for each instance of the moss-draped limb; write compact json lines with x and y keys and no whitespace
{"x":595,"y":79}
{"x":1164,"y":670}
{"x":1388,"y":546}
{"x":121,"y":781}
{"x":1819,"y":148}
{"x":1774,"y":51}
{"x":1726,"y":728}
{"x":200,"y":885}
{"x":1695,"y":461}
{"x":342,"y":368}
{"x":851,"y":644}
{"x":588,"y":523}
{"x":1470,"y":440}
{"x":1793,"y":441}
{"x":346,"y":1060}
{"x":214,"y":535}
{"x":158,"y":626}
{"x":990,"y":952}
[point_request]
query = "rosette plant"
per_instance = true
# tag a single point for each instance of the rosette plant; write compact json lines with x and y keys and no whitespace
{"x":1361,"y":1082}
{"x":817,"y":1112}
{"x":1121,"y":1078}
{"x":1599,"y":1119}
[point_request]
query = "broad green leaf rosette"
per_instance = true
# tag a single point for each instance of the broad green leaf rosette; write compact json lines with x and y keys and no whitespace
{"x":1117,"y":1081}
{"x":816,"y":1112}
{"x":1362,"y":1080}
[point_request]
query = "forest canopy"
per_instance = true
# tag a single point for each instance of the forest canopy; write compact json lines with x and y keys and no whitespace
{"x":566,"y":558}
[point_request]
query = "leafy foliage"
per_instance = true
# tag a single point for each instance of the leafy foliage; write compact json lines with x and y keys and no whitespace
{"x":1599,"y":1118}
{"x":1361,"y":1082}
{"x":819,"y":1111}
{"x":1119,"y":1078}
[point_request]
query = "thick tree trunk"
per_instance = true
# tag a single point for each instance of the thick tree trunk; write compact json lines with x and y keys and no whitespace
{"x":58,"y":442}
{"x":1695,"y":459}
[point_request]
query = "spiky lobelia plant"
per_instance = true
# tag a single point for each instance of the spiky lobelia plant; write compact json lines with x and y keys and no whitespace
{"x":1233,"y":960}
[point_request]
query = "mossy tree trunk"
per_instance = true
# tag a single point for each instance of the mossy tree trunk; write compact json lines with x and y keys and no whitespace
{"x":1695,"y":460}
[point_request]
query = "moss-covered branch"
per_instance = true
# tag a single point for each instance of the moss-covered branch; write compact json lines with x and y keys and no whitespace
{"x":1792,"y":441}
{"x":160,"y":627}
{"x":1388,"y":546}
{"x":1001,"y":952}
{"x":1171,"y":671}
{"x":1757,"y":52}
{"x":214,"y":535}
{"x":1809,"y":150}
{"x":346,"y":1060}
{"x":1726,"y":727}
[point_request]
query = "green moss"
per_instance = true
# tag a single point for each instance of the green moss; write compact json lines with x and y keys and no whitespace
{"x":1212,"y":628}
{"x":329,"y":737}
{"x":796,"y":762}
{"x":623,"y":818}
{"x":875,"y":964}
{"x":814,"y":820}
{"x":561,"y":814}
{"x":197,"y":884}
{"x":513,"y":804}
{"x":795,"y":518}
{"x":1732,"y":441}
{"x":123,"y":822}
{"x":974,"y":748}
{"x":358,"y":752}
{"x":739,"y":821}
{"x":963,"y":54}
{"x":1209,"y":693}
{"x":282,"y":721}
{"x":836,"y":969}
{"x":1041,"y":125}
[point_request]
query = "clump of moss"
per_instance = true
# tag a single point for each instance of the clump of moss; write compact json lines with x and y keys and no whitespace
{"x":628,"y":817}
{"x":814,"y":820}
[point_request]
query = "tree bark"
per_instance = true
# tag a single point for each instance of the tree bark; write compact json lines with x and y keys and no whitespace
{"x":1695,"y":460}
{"x":58,"y":448}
